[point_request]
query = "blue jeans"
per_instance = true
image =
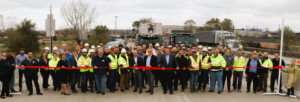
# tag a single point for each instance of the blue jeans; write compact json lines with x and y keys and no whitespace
{"x":216,"y":76}
{"x":112,"y":79}
{"x":204,"y":74}
{"x":100,"y":82}
{"x":194,"y":78}
{"x":73,"y":81}
{"x":56,"y":80}
{"x":12,"y":82}
{"x":84,"y":81}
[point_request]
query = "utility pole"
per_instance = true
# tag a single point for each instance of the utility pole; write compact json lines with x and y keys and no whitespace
{"x":50,"y":30}
{"x":116,"y":24}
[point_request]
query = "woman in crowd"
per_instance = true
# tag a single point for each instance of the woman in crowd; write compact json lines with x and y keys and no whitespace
{"x":55,"y":72}
{"x":292,"y":76}
{"x":6,"y":72}
{"x":44,"y":61}
{"x":63,"y":73}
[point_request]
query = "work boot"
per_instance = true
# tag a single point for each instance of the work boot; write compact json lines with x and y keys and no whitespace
{"x":292,"y":91}
{"x":13,"y":91}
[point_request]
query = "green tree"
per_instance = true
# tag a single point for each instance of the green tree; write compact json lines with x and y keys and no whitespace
{"x":189,"y":24}
{"x":216,"y":24}
{"x":25,"y":36}
{"x":99,"y":36}
{"x":289,"y":38}
{"x":227,"y":25}
{"x":136,"y":24}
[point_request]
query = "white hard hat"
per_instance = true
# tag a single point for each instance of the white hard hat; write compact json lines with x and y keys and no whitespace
{"x":170,"y":46}
{"x":123,"y":51}
{"x":109,"y":47}
{"x":209,"y":48}
{"x":84,"y":50}
{"x":156,"y":44}
{"x":199,"y":46}
{"x":92,"y":50}
{"x":204,"y":49}
{"x":98,"y":46}
{"x":54,"y":48}
{"x":47,"y":48}
{"x":93,"y":47}
{"x":86,"y":44}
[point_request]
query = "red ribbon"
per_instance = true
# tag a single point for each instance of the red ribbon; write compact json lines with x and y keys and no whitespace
{"x":139,"y":67}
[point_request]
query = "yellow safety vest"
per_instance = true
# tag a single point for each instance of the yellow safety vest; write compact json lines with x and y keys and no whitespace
{"x":124,"y":62}
{"x":241,"y":63}
{"x":194,"y":63}
{"x":53,"y":63}
{"x":204,"y":62}
{"x":113,"y":61}
{"x":82,"y":62}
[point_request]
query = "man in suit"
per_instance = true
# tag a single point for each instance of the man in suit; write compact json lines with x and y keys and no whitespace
{"x":137,"y":73}
{"x":168,"y":61}
{"x":150,"y":61}
{"x":74,"y":72}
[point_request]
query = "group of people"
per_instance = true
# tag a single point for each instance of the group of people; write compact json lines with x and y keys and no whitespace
{"x":103,"y":67}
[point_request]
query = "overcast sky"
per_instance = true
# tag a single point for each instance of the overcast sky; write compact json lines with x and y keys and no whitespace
{"x":261,"y":13}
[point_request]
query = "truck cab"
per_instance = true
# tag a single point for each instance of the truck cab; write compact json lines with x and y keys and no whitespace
{"x":149,"y":33}
{"x":184,"y":38}
{"x":228,"y":39}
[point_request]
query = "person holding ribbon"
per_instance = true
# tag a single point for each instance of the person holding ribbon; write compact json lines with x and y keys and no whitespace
{"x":63,"y":73}
{"x":194,"y":70}
{"x":54,"y":72}
{"x":84,"y":61}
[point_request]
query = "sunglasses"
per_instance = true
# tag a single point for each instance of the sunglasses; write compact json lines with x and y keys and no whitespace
{"x":134,"y":48}
{"x":4,"y":55}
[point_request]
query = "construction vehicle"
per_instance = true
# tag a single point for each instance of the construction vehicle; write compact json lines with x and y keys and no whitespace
{"x":215,"y":38}
{"x":149,"y":33}
{"x":184,"y":38}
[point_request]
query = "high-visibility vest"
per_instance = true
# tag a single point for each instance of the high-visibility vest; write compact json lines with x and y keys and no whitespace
{"x":217,"y":61}
{"x":204,"y":62}
{"x":88,"y":54}
{"x":124,"y":62}
{"x":53,"y":63}
{"x":194,"y":63}
{"x":241,"y":63}
{"x":82,"y":62}
{"x":50,"y":57}
{"x":113,"y":61}
{"x":267,"y":63}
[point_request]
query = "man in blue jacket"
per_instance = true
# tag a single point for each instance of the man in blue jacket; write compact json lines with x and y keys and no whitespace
{"x":100,"y":73}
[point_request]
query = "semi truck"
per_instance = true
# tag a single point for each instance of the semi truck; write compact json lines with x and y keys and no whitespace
{"x":184,"y":38}
{"x":215,"y":38}
{"x":149,"y":33}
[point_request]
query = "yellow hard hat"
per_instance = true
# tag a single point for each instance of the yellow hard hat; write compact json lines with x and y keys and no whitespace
{"x":225,"y":47}
{"x":254,"y":51}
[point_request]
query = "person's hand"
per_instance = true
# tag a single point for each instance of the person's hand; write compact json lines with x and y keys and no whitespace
{"x":177,"y":68}
{"x":222,"y":67}
{"x":133,"y":71}
{"x":158,"y":65}
{"x":258,"y":76}
{"x":199,"y":73}
{"x":73,"y":67}
{"x":22,"y":66}
{"x":63,"y":66}
{"x":149,"y":66}
{"x":174,"y":72}
{"x":163,"y":68}
{"x":227,"y":69}
{"x":134,"y":65}
{"x":107,"y":73}
{"x":143,"y":69}
{"x":294,"y":81}
{"x":246,"y":75}
{"x":16,"y":66}
{"x":13,"y":64}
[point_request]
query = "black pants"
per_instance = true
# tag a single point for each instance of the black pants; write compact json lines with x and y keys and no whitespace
{"x":252,"y":77}
{"x":227,"y":75}
{"x":274,"y":76}
{"x":5,"y":83}
{"x":167,"y":80}
{"x":179,"y":76}
{"x":157,"y":77}
{"x":92,"y":81}
{"x":21,"y":73}
{"x":45,"y":74}
{"x":29,"y":79}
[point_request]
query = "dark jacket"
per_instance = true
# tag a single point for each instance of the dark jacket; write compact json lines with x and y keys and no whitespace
{"x":11,"y":59}
{"x":30,"y":71}
{"x":100,"y":62}
{"x":258,"y":65}
{"x":229,"y":61}
{"x":183,"y":62}
{"x":43,"y":63}
{"x":153,"y":62}
{"x":172,"y":62}
{"x":275,"y":64}
{"x":132,"y":62}
{"x":5,"y":67}
{"x":73,"y":63}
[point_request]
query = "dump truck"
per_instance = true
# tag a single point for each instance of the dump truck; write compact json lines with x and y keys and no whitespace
{"x":149,"y":33}
{"x":184,"y":38}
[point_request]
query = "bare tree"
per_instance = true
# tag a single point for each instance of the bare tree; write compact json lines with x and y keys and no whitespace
{"x":8,"y":23}
{"x":189,"y":24}
{"x":79,"y":16}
